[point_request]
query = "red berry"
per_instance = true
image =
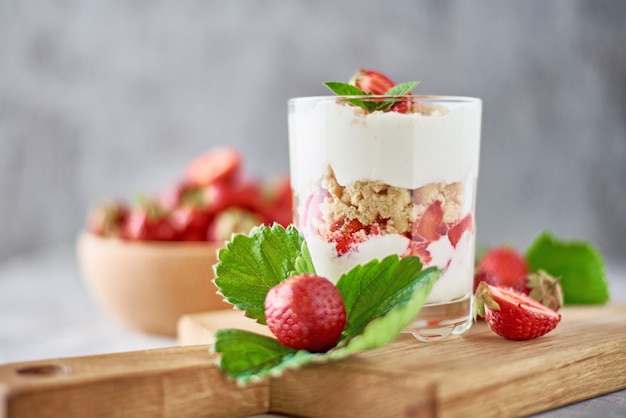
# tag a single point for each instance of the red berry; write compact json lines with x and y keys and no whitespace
{"x":107,"y":219}
{"x":430,"y":226}
{"x":306,"y":312}
{"x":371,"y":81}
{"x":483,"y":276}
{"x":505,"y":263}
{"x":190,"y":223}
{"x":346,"y":233}
{"x":218,"y":165}
{"x":513,"y":315}
{"x":148,"y":222}
{"x":456,"y":231}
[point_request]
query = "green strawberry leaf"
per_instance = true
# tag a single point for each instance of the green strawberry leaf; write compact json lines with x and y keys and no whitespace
{"x":381,"y":298}
{"x":246,"y":356}
{"x":579,"y":264}
{"x":373,"y":289}
{"x":390,"y":317}
{"x":251,"y":265}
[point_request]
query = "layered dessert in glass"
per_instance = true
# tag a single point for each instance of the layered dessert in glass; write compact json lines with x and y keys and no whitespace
{"x":368,"y":184}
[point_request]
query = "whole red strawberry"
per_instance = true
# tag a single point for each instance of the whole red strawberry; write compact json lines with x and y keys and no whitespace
{"x":512,"y":314}
{"x":505,"y":263}
{"x":306,"y":312}
{"x":371,"y":81}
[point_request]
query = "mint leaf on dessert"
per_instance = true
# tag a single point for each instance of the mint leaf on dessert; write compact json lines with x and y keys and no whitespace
{"x":251,"y":264}
{"x":345,"y":89}
{"x":402,"y":88}
{"x":579,"y":264}
{"x":397,"y":90}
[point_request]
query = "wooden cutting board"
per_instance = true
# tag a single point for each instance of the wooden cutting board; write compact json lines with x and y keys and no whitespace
{"x":479,"y":374}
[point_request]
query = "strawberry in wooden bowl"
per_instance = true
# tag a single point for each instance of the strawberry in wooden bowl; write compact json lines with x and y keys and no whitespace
{"x":151,"y":262}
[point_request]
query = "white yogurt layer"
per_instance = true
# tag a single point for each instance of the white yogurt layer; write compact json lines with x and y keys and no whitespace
{"x":457,"y":263}
{"x":402,"y":150}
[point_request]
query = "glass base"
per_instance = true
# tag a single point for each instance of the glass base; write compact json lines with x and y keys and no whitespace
{"x":438,"y":321}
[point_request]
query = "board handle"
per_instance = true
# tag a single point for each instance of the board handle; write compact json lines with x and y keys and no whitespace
{"x":164,"y":382}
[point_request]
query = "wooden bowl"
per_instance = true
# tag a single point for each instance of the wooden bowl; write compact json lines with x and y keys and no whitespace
{"x":150,"y":285}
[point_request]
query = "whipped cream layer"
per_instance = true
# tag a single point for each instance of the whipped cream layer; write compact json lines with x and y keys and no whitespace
{"x":402,"y":150}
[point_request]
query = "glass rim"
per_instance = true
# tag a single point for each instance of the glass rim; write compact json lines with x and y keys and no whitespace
{"x":421,"y":97}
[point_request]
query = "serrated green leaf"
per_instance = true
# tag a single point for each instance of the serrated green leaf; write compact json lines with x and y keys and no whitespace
{"x":248,"y":356}
{"x":579,"y":264}
{"x":252,"y":264}
{"x":400,"y":313}
{"x":373,"y":289}
{"x":304,"y":262}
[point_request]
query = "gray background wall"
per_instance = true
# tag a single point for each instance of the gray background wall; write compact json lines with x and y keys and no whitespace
{"x":106,"y":98}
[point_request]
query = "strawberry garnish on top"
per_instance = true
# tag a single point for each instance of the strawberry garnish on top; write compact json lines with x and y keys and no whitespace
{"x":512,"y":314}
{"x":371,"y":81}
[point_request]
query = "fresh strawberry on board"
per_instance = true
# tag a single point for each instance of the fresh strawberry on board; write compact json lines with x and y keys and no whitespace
{"x":512,"y":314}
{"x":371,"y":81}
{"x":305,"y":312}
{"x":504,"y":262}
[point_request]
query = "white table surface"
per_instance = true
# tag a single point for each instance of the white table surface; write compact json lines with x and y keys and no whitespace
{"x":46,"y":311}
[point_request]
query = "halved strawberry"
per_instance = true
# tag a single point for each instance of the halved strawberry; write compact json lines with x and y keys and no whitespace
{"x":513,"y":315}
{"x":371,"y":81}
{"x":430,"y":225}
{"x":218,"y":165}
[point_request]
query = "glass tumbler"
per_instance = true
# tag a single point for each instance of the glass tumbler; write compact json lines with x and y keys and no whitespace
{"x":371,"y":183}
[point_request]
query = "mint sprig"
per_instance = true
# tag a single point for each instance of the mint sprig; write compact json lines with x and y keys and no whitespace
{"x":381,"y":298}
{"x":371,"y":105}
{"x":579,"y":265}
